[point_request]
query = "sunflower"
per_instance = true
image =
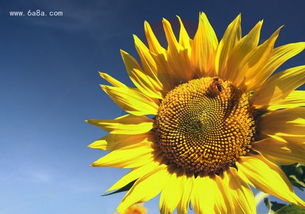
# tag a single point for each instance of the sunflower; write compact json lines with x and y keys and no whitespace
{"x":206,"y":120}
{"x":136,"y":209}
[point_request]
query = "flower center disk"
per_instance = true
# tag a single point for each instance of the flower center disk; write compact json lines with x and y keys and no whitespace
{"x":203,"y":126}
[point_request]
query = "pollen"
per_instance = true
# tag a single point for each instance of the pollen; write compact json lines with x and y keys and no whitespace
{"x":204,"y":126}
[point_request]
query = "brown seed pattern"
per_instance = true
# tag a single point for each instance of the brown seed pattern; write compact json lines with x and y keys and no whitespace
{"x":204,"y":126}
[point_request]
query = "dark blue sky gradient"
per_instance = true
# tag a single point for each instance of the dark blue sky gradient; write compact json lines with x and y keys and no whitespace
{"x":49,"y":86}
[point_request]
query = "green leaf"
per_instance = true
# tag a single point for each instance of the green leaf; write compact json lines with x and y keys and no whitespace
{"x":296,"y":175}
{"x":290,"y":209}
{"x":123,"y":189}
{"x":279,"y":208}
{"x":276,"y":206}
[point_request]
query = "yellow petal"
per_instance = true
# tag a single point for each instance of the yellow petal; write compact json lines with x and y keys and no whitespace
{"x":185,"y":51}
{"x":256,"y":60}
{"x":207,"y":197}
{"x":143,"y":82}
{"x":132,"y":101}
{"x":279,"y":85}
{"x":145,"y":188}
{"x":166,"y":74}
{"x":283,"y":122}
{"x":154,"y":86}
{"x":153,"y":64}
{"x":133,"y":175}
{"x":184,"y":39}
{"x":280,"y":152}
{"x":294,"y":140}
{"x":170,"y":36}
{"x":170,"y":195}
{"x":186,"y":183}
{"x":148,"y":63}
{"x":238,"y":195}
{"x":178,"y":57}
{"x":146,"y":84}
{"x":204,"y":46}
{"x":127,"y":124}
{"x":159,"y":54}
{"x":295,"y":99}
{"x":126,"y":158}
{"x":231,"y":36}
{"x":129,"y":61}
{"x":243,"y":47}
{"x":116,"y":141}
{"x":278,"y":56}
{"x":153,"y":42}
{"x":112,"y":80}
{"x":268,"y":177}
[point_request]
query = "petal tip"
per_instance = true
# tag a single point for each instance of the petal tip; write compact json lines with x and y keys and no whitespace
{"x":123,"y":53}
{"x":102,"y":74}
{"x":201,"y":13}
{"x":91,"y":145}
{"x":238,"y":17}
{"x":104,"y":87}
{"x":90,"y":121}
{"x":165,"y":21}
{"x":95,"y":164}
{"x":135,"y":37}
{"x":147,"y":27}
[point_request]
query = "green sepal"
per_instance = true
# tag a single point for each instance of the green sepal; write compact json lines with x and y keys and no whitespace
{"x":123,"y":189}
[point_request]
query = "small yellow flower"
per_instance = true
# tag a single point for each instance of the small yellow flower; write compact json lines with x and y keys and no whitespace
{"x":206,"y":119}
{"x":136,"y":209}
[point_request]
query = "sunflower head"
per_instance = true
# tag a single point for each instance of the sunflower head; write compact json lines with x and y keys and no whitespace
{"x":221,"y":121}
{"x":204,"y":126}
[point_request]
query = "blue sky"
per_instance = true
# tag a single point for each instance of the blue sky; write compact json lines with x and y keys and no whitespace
{"x":49,"y":86}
